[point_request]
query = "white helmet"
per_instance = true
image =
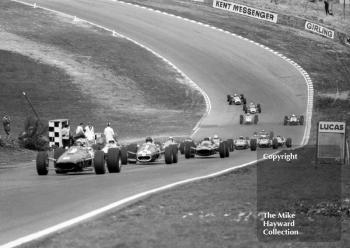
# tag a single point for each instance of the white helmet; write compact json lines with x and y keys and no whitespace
{"x":215,"y":136}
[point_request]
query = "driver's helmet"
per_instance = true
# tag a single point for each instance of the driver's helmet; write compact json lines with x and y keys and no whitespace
{"x":79,"y":142}
{"x":251,"y":103}
{"x":149,"y":140}
{"x":235,"y":94}
{"x":206,"y":139}
{"x":171,"y":138}
{"x":215,"y":136}
{"x":293,"y":115}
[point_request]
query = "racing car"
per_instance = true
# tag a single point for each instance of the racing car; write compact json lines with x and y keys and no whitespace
{"x":182,"y":144}
{"x":265,"y":139}
{"x":293,"y":120}
{"x":242,"y":143}
{"x":150,"y":152}
{"x":208,"y":147}
{"x":236,"y":99}
{"x":81,"y":157}
{"x":248,"y":119}
{"x":252,"y":108}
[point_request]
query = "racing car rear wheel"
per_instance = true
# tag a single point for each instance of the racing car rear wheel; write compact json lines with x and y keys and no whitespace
{"x":222,"y":150}
{"x":175,"y":154}
{"x":113,"y":160}
{"x":241,"y":119}
{"x":301,"y":120}
{"x":289,"y":142}
{"x":168,"y":154}
{"x":256,"y":119}
{"x":187,"y":150}
{"x":227,"y":149}
{"x":231,"y":145}
{"x":253,"y":144}
{"x":181,"y":147}
{"x":245,"y":108}
{"x":99,"y":162}
{"x":274,"y":143}
{"x":42,"y":163}
{"x":259,"y":107}
{"x":123,"y":156}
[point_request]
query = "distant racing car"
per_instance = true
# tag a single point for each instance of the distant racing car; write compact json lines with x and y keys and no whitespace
{"x":236,"y":99}
{"x":241,"y":143}
{"x":252,"y":108}
{"x":293,"y":120}
{"x":265,"y":139}
{"x":248,"y":119}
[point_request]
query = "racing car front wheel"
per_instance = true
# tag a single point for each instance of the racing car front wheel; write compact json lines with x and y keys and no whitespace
{"x":227,"y":149}
{"x":175,"y":154}
{"x":253,"y":144}
{"x":99,"y":162}
{"x":274,"y":143}
{"x":187,"y":150}
{"x":289,"y":142}
{"x":42,"y":163}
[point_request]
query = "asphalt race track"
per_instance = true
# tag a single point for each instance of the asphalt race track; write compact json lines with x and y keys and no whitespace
{"x":219,"y":63}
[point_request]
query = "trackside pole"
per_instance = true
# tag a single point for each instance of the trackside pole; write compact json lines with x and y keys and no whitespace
{"x":31,"y":105}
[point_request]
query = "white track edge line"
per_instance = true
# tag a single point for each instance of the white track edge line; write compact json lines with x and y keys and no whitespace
{"x":91,"y":214}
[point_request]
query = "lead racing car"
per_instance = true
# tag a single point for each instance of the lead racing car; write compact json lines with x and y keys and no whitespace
{"x":293,"y":120}
{"x":236,"y":99}
{"x":208,"y":147}
{"x":150,"y":151}
{"x":82,"y":157}
{"x":248,"y":119}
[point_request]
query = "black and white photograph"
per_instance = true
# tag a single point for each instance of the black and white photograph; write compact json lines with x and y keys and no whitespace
{"x":175,"y":123}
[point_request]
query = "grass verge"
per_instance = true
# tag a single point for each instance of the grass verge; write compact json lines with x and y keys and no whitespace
{"x":76,"y":71}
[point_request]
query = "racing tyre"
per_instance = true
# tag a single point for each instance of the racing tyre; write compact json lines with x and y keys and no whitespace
{"x":222,"y":150}
{"x":168,"y":154}
{"x":285,"y":121}
{"x":231,"y":145}
{"x":289,"y":142}
{"x":274,"y":143}
{"x":245,"y":108}
{"x":99,"y":162}
{"x":227,"y":149}
{"x":230,"y":102}
{"x":182,"y":148}
{"x":301,"y":120}
{"x":131,"y":150}
{"x":253,"y":144}
{"x":228,"y":98}
{"x":113,"y":160}
{"x":256,"y":119}
{"x":259,"y":107}
{"x":42,"y":163}
{"x":187,"y":150}
{"x":123,"y":156}
{"x":175,"y":154}
{"x":241,"y":119}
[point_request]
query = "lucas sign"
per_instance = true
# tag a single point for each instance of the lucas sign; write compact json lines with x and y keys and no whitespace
{"x":245,"y":10}
{"x":331,"y":141}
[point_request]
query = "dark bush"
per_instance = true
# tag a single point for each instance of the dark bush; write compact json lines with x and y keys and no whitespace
{"x":35,"y":135}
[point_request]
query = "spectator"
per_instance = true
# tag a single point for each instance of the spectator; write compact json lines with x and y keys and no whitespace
{"x":80,"y":132}
{"x":326,"y":6}
{"x":90,"y":133}
{"x":66,"y":137}
{"x":6,"y":120}
{"x":109,"y":133}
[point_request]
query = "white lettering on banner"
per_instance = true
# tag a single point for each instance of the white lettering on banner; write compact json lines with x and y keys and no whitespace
{"x":313,"y":27}
{"x":331,"y":127}
{"x":245,"y":10}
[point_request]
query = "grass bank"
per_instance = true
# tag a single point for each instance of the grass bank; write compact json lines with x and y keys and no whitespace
{"x":76,"y":71}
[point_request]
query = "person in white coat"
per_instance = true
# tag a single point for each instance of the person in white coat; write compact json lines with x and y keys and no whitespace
{"x":109,"y":133}
{"x":90,"y":133}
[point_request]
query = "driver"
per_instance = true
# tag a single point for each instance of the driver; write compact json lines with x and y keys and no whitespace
{"x":149,"y":140}
{"x":215,"y":139}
